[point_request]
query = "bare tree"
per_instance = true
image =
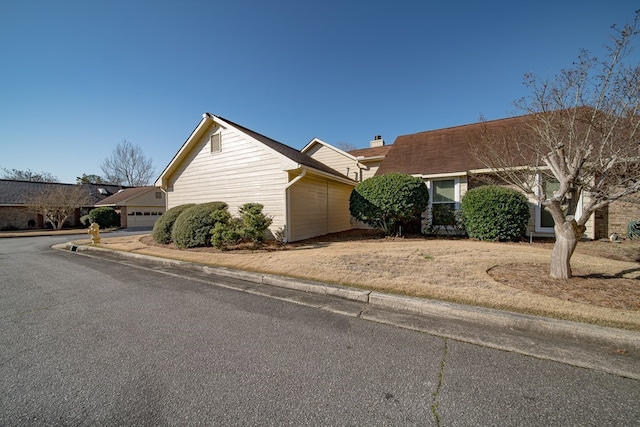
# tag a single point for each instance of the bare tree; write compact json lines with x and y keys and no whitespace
{"x":580,"y":131}
{"x":58,"y":203}
{"x":346,"y":146}
{"x":28,"y":175}
{"x":128,"y":166}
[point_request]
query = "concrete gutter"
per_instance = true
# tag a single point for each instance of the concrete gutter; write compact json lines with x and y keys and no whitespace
{"x":611,"y":350}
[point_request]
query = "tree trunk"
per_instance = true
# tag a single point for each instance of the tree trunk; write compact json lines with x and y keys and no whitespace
{"x":567,"y":235}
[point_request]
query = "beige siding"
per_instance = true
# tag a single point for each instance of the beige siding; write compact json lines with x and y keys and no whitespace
{"x":334,"y":160}
{"x":371,"y":169}
{"x":243,"y":171}
{"x":318,"y":206}
{"x":148,"y":199}
{"x":338,"y":199}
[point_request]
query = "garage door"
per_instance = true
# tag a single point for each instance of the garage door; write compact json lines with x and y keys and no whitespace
{"x":142,"y":218}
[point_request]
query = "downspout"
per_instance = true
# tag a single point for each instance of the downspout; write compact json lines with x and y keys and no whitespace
{"x":287,"y":201}
{"x":166,"y":197}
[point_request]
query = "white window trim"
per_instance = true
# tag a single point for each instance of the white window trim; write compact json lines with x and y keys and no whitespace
{"x":456,"y":189}
{"x":456,"y":194}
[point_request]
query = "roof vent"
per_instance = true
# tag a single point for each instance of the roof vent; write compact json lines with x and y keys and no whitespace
{"x":103,"y":191}
{"x":377,"y":141}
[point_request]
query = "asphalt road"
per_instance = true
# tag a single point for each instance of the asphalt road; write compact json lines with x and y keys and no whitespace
{"x":85,"y":341}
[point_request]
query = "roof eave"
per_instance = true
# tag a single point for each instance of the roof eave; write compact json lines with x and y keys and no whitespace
{"x":163,"y":179}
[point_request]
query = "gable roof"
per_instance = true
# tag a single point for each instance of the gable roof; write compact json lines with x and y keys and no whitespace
{"x":318,"y":141}
{"x":289,"y":152}
{"x":365,"y":153}
{"x":295,"y":156}
{"x":15,"y":193}
{"x":440,"y":151}
{"x":124,"y":195}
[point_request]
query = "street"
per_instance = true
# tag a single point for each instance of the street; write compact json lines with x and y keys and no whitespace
{"x":87,"y":341}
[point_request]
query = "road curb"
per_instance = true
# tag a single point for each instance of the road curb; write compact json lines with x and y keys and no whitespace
{"x":509,"y":320}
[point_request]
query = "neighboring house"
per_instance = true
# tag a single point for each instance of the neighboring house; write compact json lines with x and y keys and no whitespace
{"x":16,"y":196}
{"x":138,"y":207}
{"x":442,"y":158}
{"x":223,"y":161}
{"x":356,"y":164}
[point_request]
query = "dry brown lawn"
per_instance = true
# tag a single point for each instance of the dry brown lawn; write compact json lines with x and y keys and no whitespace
{"x":511,"y":276}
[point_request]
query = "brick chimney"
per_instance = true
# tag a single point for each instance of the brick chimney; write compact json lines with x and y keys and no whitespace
{"x":377,"y":141}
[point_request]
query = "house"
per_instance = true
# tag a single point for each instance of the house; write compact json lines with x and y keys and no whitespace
{"x":356,"y":164}
{"x":443,"y":159}
{"x":138,"y":207}
{"x":224,"y":161}
{"x":16,"y":197}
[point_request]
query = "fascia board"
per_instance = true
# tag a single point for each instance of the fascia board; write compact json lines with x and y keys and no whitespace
{"x":326,"y":144}
{"x":184,"y":150}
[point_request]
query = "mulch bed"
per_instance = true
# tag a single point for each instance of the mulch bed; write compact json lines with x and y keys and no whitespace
{"x":600,"y":290}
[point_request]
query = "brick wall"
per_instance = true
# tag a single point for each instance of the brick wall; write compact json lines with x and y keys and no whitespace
{"x":619,"y":214}
{"x":16,"y":218}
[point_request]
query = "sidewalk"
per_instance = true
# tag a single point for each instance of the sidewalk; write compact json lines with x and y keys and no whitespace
{"x":611,"y":350}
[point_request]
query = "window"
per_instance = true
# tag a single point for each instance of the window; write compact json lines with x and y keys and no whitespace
{"x":215,"y":141}
{"x":158,"y":195}
{"x":444,"y":195}
{"x":549,"y":186}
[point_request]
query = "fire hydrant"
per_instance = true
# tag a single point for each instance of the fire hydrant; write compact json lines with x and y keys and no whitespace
{"x":94,"y":230}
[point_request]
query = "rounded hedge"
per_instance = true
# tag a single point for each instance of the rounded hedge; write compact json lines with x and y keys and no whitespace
{"x":193,"y":226}
{"x":163,"y":226}
{"x":105,"y":217}
{"x":389,"y":201}
{"x":495,"y":213}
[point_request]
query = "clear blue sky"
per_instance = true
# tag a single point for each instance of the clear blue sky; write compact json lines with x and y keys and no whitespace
{"x":78,"y":77}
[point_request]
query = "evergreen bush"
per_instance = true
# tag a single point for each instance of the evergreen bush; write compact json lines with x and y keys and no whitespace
{"x":255,"y":223}
{"x":227,"y":231}
{"x":193,"y":226}
{"x":163,"y":226}
{"x":495,"y":213}
{"x":251,"y":225}
{"x":388,"y":202}
{"x":105,"y":217}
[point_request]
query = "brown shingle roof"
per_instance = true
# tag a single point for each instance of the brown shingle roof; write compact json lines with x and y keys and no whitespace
{"x":440,"y":151}
{"x":124,"y":195}
{"x":15,"y":193}
{"x":371,"y":152}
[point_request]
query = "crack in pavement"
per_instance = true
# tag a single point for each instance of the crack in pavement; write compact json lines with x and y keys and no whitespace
{"x":436,"y":393}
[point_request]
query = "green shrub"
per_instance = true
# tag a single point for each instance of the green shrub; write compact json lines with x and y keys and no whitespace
{"x":633,"y":230}
{"x":495,"y":213}
{"x":255,"y":223}
{"x":105,"y":217}
{"x":250,"y":226}
{"x":227,"y":231}
{"x":193,"y":226}
{"x":85,"y":220}
{"x":163,"y":226}
{"x":388,"y":202}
